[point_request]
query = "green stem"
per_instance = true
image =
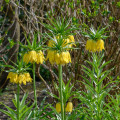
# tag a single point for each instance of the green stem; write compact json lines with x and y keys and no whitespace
{"x":18,"y":94}
{"x":61,"y":91}
{"x":34,"y":86}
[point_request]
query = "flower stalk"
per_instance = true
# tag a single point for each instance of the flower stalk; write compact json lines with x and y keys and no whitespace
{"x":61,"y":91}
{"x":34,"y":86}
{"x":18,"y":94}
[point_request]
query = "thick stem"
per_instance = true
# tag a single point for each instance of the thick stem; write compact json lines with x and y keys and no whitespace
{"x":18,"y":94}
{"x":61,"y":91}
{"x":34,"y":86}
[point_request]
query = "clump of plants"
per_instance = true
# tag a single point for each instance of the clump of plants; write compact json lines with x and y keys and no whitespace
{"x":93,"y":102}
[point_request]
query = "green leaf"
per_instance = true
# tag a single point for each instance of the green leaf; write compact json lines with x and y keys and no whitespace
{"x":9,"y":114}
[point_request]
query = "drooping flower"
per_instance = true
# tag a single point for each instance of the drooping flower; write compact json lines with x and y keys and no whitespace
{"x":93,"y":46}
{"x":51,"y":56}
{"x":100,"y":45}
{"x":65,"y":57}
{"x":21,"y":78}
{"x":33,"y":56}
{"x":58,"y":58}
{"x":28,"y":77}
{"x":90,"y":45}
{"x":69,"y":107}
{"x":13,"y":77}
{"x":58,"y":107}
{"x":40,"y":57}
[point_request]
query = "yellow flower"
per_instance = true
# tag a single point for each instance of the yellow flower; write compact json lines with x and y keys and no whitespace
{"x":40,"y":57}
{"x":13,"y":77}
{"x":89,"y":45}
{"x":93,"y":46}
{"x":51,"y":43}
{"x":69,"y":107}
{"x":58,"y":58}
{"x":51,"y":56}
{"x":21,"y":78}
{"x":31,"y":56}
{"x":71,"y":38}
{"x":65,"y":57}
{"x":28,"y":78}
{"x":100,"y":45}
{"x":58,"y":107}
{"x":66,"y":42}
{"x":70,"y":41}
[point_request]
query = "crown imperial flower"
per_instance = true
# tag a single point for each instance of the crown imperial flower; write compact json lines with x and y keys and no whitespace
{"x":21,"y":78}
{"x":69,"y":107}
{"x":100,"y":45}
{"x":58,"y":107}
{"x":40,"y":57}
{"x":93,"y":46}
{"x":33,"y":56}
{"x":58,"y":58}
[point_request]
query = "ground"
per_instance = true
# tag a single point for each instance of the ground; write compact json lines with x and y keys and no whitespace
{"x":7,"y":96}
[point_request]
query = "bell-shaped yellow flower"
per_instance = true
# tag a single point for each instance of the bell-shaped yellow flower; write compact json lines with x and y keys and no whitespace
{"x":93,"y":46}
{"x":51,"y":56}
{"x":40,"y":57}
{"x":58,"y":107}
{"x":100,"y":45}
{"x":69,"y":107}
{"x":65,"y":57}
{"x":13,"y":77}
{"x":31,"y":56}
{"x":27,"y":77}
{"x":89,"y":45}
{"x":57,"y":58}
{"x":21,"y":78}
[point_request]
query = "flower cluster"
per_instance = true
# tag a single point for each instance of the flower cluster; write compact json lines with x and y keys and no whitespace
{"x":21,"y":78}
{"x":93,"y":46}
{"x":58,"y":58}
{"x":68,"y":108}
{"x":62,"y":57}
{"x":33,"y":56}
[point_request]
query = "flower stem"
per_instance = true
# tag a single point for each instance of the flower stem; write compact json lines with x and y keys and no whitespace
{"x":18,"y":94}
{"x":61,"y":91}
{"x":34,"y":86}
